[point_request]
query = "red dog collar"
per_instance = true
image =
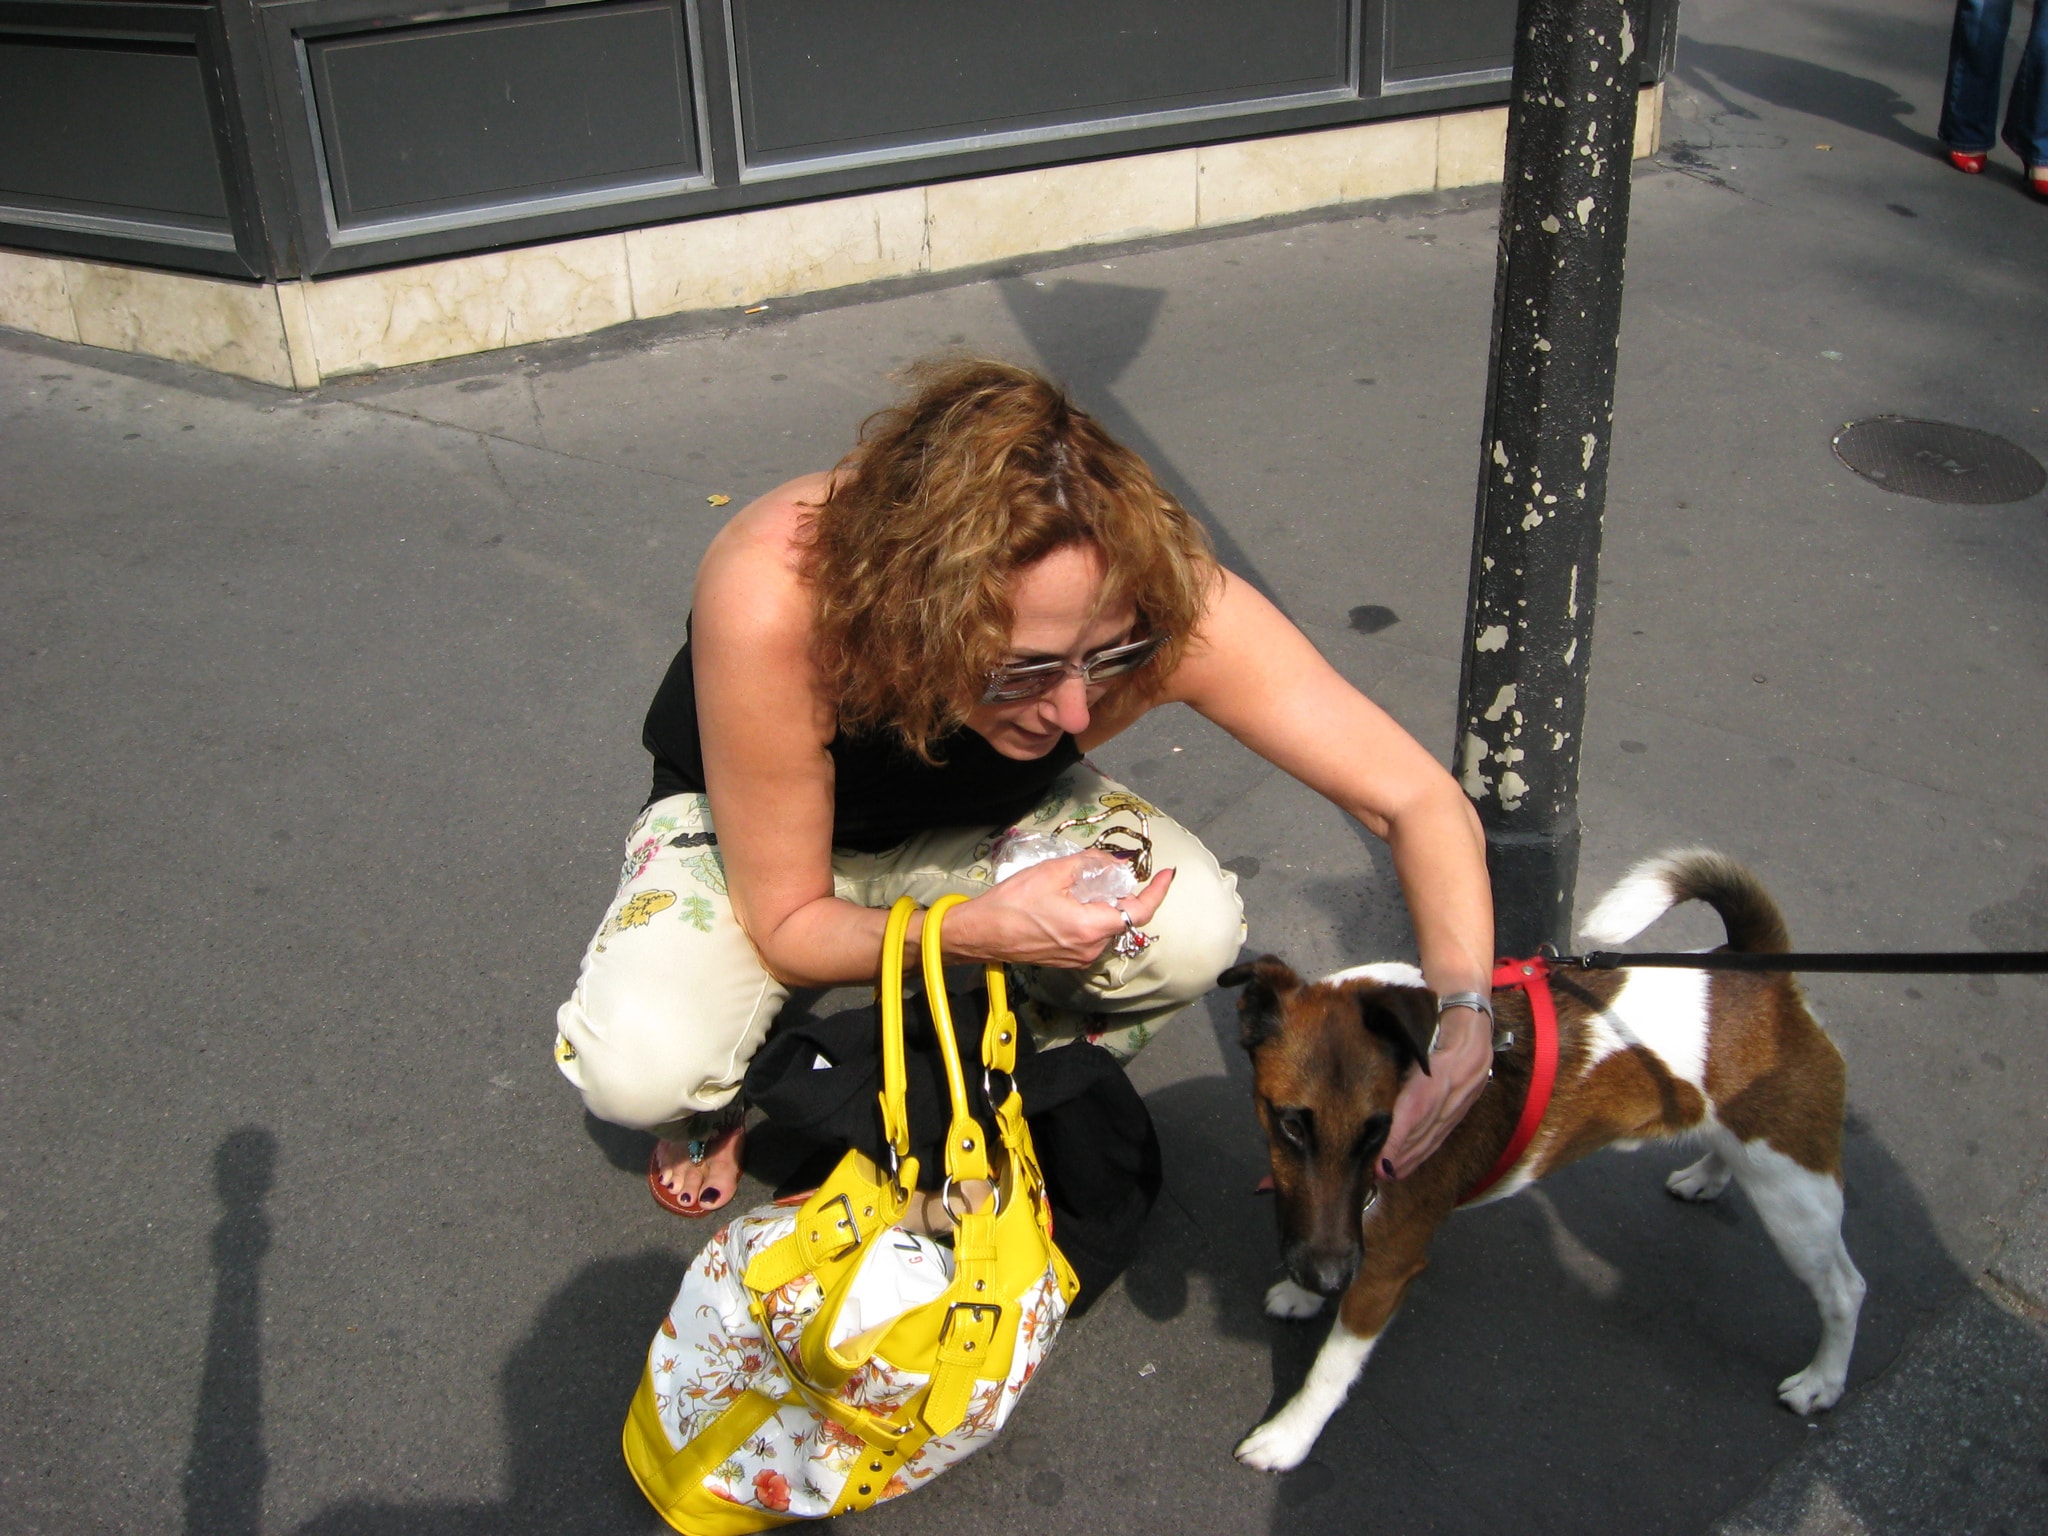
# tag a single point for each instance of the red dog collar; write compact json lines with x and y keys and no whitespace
{"x":1532,"y":976}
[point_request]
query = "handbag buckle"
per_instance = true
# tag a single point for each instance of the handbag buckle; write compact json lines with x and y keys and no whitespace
{"x":851,"y":1227}
{"x":974,"y":1334}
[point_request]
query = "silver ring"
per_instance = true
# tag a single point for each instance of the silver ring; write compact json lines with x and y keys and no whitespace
{"x":1133,"y":941}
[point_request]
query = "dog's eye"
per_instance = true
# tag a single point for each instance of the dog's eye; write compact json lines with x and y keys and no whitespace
{"x":1293,"y":1126}
{"x":1373,"y":1135}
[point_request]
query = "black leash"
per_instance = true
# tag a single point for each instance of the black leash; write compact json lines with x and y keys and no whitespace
{"x":1958,"y":962}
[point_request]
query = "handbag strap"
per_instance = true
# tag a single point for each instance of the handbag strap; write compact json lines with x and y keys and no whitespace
{"x":889,"y":994}
{"x":966,"y":1154}
{"x":999,"y":1039}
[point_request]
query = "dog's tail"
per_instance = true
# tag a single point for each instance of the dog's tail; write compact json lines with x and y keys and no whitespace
{"x":1658,"y":884}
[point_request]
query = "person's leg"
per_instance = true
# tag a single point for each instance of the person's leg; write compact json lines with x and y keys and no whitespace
{"x":2026,"y":115}
{"x":670,"y":1003}
{"x":1976,"y":62}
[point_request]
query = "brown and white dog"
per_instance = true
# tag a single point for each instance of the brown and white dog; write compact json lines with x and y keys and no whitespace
{"x":1730,"y":1059}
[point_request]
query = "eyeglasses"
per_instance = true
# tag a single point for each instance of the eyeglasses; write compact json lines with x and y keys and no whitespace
{"x":1031,"y":679}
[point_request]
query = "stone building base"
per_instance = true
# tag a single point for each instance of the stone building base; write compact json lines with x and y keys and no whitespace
{"x":296,"y":334}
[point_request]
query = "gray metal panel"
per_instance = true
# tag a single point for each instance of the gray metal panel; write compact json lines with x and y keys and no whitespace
{"x":109,"y":129}
{"x":265,"y":91}
{"x":501,"y":109}
{"x":1434,"y":38}
{"x":824,"y":81}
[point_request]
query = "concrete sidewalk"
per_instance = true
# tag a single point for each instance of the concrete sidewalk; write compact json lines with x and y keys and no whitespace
{"x":321,"y":720}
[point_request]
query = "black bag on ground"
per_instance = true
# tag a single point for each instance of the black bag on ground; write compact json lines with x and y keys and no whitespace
{"x":819,"y":1079}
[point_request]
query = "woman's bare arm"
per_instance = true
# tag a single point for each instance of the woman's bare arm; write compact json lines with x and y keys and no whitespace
{"x":1256,"y":675}
{"x":765,"y":731}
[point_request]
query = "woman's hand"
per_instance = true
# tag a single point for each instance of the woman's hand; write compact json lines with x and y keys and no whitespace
{"x":1032,"y":918}
{"x":1431,"y":1104}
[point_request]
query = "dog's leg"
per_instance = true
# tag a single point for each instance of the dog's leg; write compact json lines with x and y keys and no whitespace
{"x":1704,"y":1180}
{"x":1284,"y":1440}
{"x":1291,"y":1302}
{"x":1397,"y":1235}
{"x":1802,"y":1210}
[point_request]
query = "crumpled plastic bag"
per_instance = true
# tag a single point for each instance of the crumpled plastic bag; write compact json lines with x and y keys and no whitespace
{"x":1107,"y":881}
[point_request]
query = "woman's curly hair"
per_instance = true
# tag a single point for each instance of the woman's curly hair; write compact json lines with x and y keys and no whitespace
{"x":983,"y":470}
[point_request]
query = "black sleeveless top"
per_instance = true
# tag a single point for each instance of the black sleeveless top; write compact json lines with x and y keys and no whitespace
{"x":882,"y":792}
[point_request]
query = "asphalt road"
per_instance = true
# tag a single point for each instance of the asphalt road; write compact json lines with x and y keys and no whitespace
{"x":321,"y":722}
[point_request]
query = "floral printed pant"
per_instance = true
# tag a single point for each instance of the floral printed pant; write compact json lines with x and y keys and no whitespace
{"x":672,"y":1000}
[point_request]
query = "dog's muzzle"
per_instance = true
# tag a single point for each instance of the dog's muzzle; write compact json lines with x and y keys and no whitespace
{"x":1324,"y":1273}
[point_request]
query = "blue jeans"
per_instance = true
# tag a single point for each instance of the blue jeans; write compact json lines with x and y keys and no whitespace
{"x":1976,"y":59}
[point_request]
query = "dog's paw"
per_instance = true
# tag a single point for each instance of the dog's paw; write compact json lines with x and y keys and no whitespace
{"x":1810,"y":1391}
{"x":1293,"y":1302}
{"x":1704,"y":1180}
{"x":1277,"y":1445}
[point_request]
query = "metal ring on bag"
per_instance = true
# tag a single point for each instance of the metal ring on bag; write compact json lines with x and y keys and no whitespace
{"x":946,"y":1203}
{"x":989,"y":1093}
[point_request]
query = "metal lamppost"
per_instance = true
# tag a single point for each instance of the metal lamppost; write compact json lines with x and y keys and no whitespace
{"x":1543,"y":477}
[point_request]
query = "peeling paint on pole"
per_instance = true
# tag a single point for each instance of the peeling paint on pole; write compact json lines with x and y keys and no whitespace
{"x":1536,"y":557}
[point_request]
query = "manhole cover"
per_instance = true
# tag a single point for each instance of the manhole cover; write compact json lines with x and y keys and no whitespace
{"x":1939,"y":462}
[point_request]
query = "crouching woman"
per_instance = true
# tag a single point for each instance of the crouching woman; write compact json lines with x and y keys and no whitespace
{"x":888,"y":665}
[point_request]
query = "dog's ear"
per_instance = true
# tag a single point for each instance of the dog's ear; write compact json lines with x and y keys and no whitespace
{"x":1266,"y":981}
{"x":1404,"y":1017}
{"x":1271,"y":970}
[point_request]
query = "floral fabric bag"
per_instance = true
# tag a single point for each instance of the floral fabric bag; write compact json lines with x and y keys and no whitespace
{"x":824,"y":1356}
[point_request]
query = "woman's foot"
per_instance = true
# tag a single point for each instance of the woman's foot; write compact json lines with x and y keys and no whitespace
{"x":2037,"y":181}
{"x":1969,"y":164}
{"x":695,"y":1178}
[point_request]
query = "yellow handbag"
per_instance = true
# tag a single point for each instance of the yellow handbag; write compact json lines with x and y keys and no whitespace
{"x":769,"y":1396}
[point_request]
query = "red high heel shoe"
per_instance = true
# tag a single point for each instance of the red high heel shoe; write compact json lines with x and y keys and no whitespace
{"x":1968,"y":164}
{"x":2037,"y":177}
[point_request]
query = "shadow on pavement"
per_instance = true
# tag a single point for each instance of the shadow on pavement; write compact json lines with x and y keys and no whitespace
{"x":1866,"y":106}
{"x":563,"y":1396}
{"x":563,"y":1392}
{"x":223,"y":1482}
{"x":624,"y":1148}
